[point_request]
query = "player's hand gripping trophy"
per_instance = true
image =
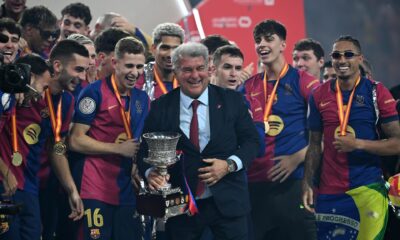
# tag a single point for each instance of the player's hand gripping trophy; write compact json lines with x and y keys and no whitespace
{"x":166,"y":201}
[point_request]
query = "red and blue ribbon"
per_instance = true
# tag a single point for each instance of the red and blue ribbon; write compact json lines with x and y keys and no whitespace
{"x":192,"y":206}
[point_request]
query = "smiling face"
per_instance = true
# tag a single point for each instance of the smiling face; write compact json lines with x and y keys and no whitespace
{"x":9,"y":48}
{"x":127,"y":70}
{"x":193,"y":76}
{"x":163,"y":51}
{"x":269,"y":48}
{"x":73,"y":72}
{"x":307,"y":61}
{"x":346,"y":67}
{"x":70,"y":25}
{"x":228,"y":71}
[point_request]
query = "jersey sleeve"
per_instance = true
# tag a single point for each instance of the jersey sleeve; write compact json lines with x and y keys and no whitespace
{"x":88,"y":104}
{"x":307,"y":84}
{"x":314,"y":116}
{"x":386,"y":104}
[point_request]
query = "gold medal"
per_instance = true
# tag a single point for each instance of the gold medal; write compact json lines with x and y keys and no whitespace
{"x":266,"y":127}
{"x":16,"y":159}
{"x":270,"y":100}
{"x":60,"y":148}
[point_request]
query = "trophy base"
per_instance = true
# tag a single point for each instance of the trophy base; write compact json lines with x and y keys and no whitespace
{"x":163,"y":204}
{"x":6,"y":210}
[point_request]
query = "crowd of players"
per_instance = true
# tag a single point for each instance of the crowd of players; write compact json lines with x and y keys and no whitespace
{"x":290,"y":152}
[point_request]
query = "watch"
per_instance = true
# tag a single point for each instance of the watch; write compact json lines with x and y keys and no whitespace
{"x":231,"y":165}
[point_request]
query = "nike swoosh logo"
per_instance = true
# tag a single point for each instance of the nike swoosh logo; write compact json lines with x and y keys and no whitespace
{"x":255,"y":94}
{"x":323,"y":104}
{"x":113,"y":106}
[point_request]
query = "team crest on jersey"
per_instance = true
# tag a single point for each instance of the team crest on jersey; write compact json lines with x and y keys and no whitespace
{"x":276,"y":125}
{"x":44,"y":113}
{"x":31,"y":133}
{"x":138,"y":106}
{"x":87,"y":105}
{"x":95,"y":233}
{"x":349,"y":130}
{"x":122,"y":137}
{"x":288,"y":89}
{"x":360,"y":100}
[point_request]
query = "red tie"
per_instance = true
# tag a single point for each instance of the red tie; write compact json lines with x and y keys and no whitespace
{"x":194,"y":125}
{"x":194,"y":138}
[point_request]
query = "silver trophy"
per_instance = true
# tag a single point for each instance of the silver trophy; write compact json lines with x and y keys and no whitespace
{"x":167,"y":201}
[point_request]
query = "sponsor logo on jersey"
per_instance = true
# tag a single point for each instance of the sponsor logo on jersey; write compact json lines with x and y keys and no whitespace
{"x":31,"y":133}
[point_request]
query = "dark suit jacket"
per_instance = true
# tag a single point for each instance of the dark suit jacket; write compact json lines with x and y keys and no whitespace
{"x":232,"y":133}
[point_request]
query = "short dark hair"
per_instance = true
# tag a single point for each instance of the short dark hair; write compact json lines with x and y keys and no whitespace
{"x":269,"y":27}
{"x":38,"y":64}
{"x":212,"y":42}
{"x":128,"y":45}
{"x":107,"y":39}
{"x":348,"y":38}
{"x":78,"y":10}
{"x":310,"y":44}
{"x":230,"y":50}
{"x":327,"y":64}
{"x":65,"y":49}
{"x":38,"y":16}
{"x":10,"y":25}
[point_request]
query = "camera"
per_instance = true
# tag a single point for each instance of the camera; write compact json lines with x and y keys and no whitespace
{"x":14,"y":78}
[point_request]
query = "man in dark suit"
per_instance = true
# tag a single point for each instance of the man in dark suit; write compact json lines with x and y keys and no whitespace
{"x":218,"y":141}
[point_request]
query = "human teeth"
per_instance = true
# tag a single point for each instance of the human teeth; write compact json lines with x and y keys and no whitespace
{"x":343,"y":68}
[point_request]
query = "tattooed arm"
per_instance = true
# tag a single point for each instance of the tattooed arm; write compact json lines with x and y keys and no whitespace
{"x":312,"y":163}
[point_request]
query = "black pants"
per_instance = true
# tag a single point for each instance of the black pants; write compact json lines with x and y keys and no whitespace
{"x":223,"y":228}
{"x":277,"y":212}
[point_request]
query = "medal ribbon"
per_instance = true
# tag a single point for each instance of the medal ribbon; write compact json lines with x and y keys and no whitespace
{"x":14,"y":130}
{"x":161,"y":84}
{"x":268,"y":104}
{"x":55,"y":120}
{"x":344,"y":119}
{"x":126,"y":116}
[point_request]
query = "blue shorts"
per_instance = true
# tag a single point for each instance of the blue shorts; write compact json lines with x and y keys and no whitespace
{"x":105,"y":221}
{"x":360,"y":213}
{"x":26,"y":225}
